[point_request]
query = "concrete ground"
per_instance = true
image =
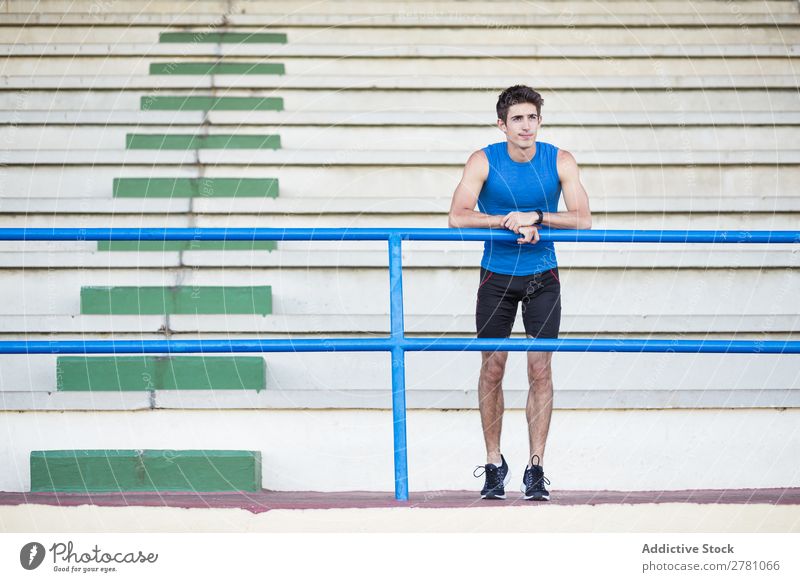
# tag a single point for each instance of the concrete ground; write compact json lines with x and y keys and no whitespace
{"x":743,"y":510}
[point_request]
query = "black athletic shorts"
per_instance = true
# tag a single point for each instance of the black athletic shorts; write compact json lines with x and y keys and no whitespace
{"x":499,"y":295}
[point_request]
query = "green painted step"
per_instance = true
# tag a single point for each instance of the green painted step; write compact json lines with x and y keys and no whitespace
{"x":176,"y":300}
{"x":217,"y":69}
{"x":207,"y":103}
{"x":217,"y":37}
{"x":95,"y":471}
{"x":186,"y":245}
{"x":182,"y":141}
{"x":143,"y":373}
{"x":195,"y":187}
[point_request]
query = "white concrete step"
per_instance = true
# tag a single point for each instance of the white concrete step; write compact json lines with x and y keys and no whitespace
{"x":319,"y":207}
{"x":732,"y":94}
{"x":396,"y":82}
{"x":707,"y":295}
{"x":748,"y":182}
{"x":414,"y":7}
{"x":588,"y":450}
{"x":653,"y":185}
{"x":449,"y":380}
{"x":384,"y":50}
{"x":721,"y":220}
{"x":697,"y":138}
{"x":575,"y":30}
{"x":433,"y":19}
{"x":33,"y":326}
{"x":437,"y":256}
{"x":436,"y":20}
{"x":244,"y":120}
{"x":367,"y":157}
{"x":416,"y":399}
{"x":776,"y":60}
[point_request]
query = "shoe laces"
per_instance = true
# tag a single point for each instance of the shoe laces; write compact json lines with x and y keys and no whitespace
{"x":491,"y":471}
{"x":530,"y":481}
{"x":529,"y":478}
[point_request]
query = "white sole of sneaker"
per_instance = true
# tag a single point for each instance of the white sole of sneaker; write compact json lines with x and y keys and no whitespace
{"x":493,"y":497}
{"x":505,"y":482}
{"x":529,"y":497}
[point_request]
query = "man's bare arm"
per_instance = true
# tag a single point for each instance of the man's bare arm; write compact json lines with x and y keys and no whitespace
{"x":462,"y":208}
{"x":577,"y":216}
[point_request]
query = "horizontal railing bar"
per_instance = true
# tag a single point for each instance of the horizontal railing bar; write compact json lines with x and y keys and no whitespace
{"x":603,"y":345}
{"x":440,"y":234}
{"x":387,"y":344}
{"x":194,"y":346}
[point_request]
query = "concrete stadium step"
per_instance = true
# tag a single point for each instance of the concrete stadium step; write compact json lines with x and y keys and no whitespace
{"x":435,"y":20}
{"x":367,"y":157}
{"x":431,"y":256}
{"x":416,"y":399}
{"x":115,"y":470}
{"x":616,"y":450}
{"x":397,"y":183}
{"x":252,"y":61}
{"x":376,"y":185}
{"x":773,"y":510}
{"x":692,"y":138}
{"x":637,"y":295}
{"x":387,"y":118}
{"x":319,"y":207}
{"x":77,"y":84}
{"x":415,"y":8}
{"x":732,"y":94}
{"x":758,"y":326}
{"x":709,"y":220}
{"x":433,"y":380}
{"x":751,"y":323}
{"x":383,"y":50}
{"x":572,"y":31}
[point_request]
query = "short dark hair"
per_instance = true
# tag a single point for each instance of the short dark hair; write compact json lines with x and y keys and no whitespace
{"x":516,"y":95}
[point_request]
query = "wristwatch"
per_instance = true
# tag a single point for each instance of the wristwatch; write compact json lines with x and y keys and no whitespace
{"x":540,"y":219}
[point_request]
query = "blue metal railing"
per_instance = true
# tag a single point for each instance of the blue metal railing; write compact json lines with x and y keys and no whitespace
{"x":397,"y":344}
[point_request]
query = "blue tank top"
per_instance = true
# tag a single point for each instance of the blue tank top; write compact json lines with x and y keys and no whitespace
{"x":525,"y":187}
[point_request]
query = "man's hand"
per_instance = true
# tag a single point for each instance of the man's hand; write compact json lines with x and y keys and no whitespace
{"x":515,"y":220}
{"x":530,"y":234}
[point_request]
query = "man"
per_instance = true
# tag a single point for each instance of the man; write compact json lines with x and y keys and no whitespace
{"x":517,"y":184}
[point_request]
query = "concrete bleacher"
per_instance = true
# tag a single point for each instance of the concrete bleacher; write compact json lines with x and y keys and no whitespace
{"x":682,"y":115}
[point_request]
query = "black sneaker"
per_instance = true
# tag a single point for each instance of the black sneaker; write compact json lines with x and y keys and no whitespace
{"x":533,"y":483}
{"x":496,"y":479}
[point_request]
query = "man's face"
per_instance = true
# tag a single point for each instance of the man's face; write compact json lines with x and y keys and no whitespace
{"x":521,"y":125}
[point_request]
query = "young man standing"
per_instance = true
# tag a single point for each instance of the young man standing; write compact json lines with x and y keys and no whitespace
{"x":516,"y":185}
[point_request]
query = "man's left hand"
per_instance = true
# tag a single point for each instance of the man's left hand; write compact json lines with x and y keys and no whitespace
{"x":530,"y":234}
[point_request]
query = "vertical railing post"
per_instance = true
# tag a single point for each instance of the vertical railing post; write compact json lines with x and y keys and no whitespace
{"x":398,"y":367}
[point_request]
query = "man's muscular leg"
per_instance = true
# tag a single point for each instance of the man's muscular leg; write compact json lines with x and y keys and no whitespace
{"x":539,"y":408}
{"x":491,"y":403}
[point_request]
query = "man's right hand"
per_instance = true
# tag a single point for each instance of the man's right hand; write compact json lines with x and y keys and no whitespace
{"x":530,"y":234}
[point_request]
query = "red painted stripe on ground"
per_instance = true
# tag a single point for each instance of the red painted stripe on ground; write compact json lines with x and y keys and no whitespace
{"x":268,"y":500}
